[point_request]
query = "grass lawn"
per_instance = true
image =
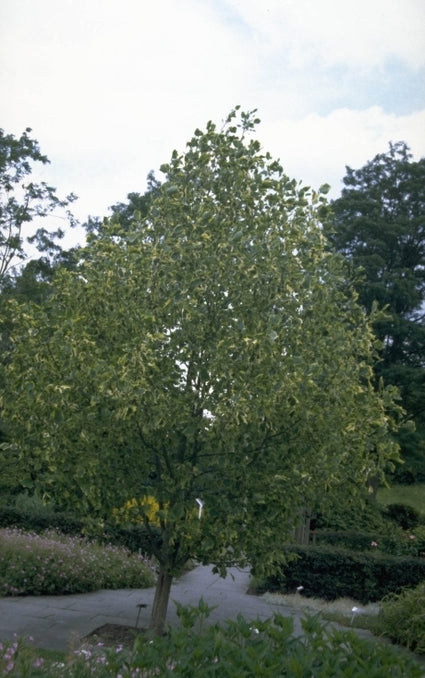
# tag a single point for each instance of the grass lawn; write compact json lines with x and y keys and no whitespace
{"x":413,"y":495}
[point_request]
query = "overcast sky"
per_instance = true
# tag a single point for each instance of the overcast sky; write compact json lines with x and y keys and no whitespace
{"x":111,"y":87}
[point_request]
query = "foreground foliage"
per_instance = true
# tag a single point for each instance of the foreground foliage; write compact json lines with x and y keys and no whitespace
{"x":402,"y":618}
{"x":239,"y":649}
{"x":32,"y":564}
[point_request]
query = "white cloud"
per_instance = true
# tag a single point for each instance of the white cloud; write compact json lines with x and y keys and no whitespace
{"x":364,"y":34}
{"x":110,"y":88}
{"x":101,"y":65}
{"x":315,"y":149}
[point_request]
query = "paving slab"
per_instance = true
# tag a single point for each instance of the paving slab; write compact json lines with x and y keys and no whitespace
{"x":58,"y":622}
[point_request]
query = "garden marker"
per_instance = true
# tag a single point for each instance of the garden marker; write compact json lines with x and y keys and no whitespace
{"x":201,"y":505}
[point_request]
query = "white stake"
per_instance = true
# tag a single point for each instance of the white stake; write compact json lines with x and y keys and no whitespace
{"x":201,"y":506}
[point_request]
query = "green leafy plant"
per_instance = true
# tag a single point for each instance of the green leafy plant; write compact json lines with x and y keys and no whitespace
{"x":402,"y":618}
{"x":266,"y":648}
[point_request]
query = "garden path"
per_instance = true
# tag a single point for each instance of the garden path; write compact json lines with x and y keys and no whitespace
{"x":58,"y":622}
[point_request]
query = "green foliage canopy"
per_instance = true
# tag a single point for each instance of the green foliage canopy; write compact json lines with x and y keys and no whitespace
{"x":212,"y":351}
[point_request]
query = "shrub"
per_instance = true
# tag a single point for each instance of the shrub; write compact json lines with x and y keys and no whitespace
{"x":403,"y":515}
{"x":352,"y":540}
{"x":51,"y":563}
{"x":363,"y":516}
{"x":264,"y":648}
{"x":402,"y":618}
{"x":330,"y":573}
{"x":135,"y":538}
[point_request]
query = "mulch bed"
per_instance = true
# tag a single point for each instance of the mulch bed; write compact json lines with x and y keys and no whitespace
{"x":112,"y":635}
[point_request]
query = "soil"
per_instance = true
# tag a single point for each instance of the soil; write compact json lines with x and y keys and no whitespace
{"x":112,"y":635}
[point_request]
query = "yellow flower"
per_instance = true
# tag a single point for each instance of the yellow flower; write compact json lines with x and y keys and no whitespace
{"x":137,"y":510}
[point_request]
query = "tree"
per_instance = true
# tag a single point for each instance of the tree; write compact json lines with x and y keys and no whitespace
{"x":210,"y":362}
{"x":379,"y":225}
{"x":21,"y":202}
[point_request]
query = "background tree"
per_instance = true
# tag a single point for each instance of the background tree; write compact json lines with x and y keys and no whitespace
{"x":210,"y":357}
{"x":379,"y":225}
{"x":22,"y":201}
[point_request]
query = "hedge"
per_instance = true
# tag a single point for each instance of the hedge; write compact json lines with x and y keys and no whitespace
{"x":135,"y":538}
{"x":330,"y":573}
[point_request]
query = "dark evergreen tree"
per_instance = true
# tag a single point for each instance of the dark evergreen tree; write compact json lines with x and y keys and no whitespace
{"x":379,"y":225}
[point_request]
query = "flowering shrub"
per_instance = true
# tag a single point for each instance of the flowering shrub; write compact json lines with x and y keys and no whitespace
{"x":412,"y":542}
{"x":403,"y":542}
{"x":8,"y":657}
{"x":17,"y":659}
{"x":50,"y":563}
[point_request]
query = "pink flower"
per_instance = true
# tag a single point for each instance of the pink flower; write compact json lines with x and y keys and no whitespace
{"x":412,"y":536}
{"x":374,"y":544}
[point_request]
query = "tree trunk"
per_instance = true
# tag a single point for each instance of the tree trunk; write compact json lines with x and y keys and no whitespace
{"x":160,"y":603}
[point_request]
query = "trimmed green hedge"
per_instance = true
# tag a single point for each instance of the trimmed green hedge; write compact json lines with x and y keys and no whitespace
{"x":135,"y":538}
{"x":37,"y":522}
{"x":330,"y":573}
